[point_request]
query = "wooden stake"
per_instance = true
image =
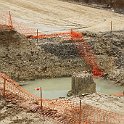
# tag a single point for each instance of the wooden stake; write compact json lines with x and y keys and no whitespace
{"x":4,"y":87}
{"x":41,"y":98}
{"x":10,"y":21}
{"x":80,"y":114}
{"x":37,"y":35}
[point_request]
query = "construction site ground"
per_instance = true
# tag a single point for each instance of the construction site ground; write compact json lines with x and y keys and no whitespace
{"x":10,"y":113}
{"x":51,"y":16}
{"x":55,"y":16}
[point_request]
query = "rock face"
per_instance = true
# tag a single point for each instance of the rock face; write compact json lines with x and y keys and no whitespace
{"x":83,"y":83}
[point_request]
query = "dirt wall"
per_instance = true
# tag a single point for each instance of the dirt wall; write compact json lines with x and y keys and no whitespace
{"x":23,"y":60}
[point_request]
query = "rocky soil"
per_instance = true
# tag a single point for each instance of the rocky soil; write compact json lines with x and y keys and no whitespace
{"x":11,"y":113}
{"x":109,"y":50}
{"x":23,"y":60}
{"x":106,"y":102}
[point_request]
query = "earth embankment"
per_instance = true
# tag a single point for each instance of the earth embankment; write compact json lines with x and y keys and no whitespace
{"x":23,"y":60}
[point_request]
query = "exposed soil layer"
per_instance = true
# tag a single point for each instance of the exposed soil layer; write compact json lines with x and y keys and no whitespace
{"x":23,"y":60}
{"x":109,"y":50}
{"x":106,"y":102}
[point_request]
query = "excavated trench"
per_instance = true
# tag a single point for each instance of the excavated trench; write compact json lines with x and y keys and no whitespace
{"x":24,"y":60}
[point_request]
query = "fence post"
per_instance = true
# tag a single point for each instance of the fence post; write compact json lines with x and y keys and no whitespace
{"x":37,"y":35}
{"x":71,"y":33}
{"x":4,"y":87}
{"x":10,"y":24}
{"x":80,"y":114}
{"x":41,"y":102}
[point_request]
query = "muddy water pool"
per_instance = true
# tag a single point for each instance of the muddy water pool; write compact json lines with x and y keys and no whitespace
{"x":58,"y":87}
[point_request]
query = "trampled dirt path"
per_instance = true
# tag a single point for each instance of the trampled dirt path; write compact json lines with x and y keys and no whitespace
{"x":55,"y":15}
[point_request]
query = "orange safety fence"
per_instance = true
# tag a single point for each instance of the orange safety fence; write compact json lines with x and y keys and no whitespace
{"x":70,"y":35}
{"x":85,"y":51}
{"x":63,"y":110}
{"x":26,"y":29}
{"x":4,"y":18}
{"x":8,"y":19}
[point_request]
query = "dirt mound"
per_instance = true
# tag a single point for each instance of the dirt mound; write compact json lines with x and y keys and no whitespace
{"x":23,"y":60}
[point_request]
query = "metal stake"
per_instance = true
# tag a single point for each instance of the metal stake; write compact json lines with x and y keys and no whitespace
{"x":4,"y":87}
{"x":80,"y":114}
{"x":10,"y":21}
{"x":41,"y":98}
{"x":37,"y":35}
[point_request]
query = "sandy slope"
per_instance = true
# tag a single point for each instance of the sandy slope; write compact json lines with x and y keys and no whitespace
{"x":55,"y":15}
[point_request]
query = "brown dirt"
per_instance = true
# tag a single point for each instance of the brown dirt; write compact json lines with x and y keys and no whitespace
{"x":23,"y":60}
{"x":11,"y":113}
{"x":51,"y":16}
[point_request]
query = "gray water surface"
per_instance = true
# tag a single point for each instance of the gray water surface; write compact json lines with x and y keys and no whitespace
{"x":58,"y":87}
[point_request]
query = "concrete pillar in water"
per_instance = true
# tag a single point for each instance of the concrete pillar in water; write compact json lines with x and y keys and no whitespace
{"x":82,"y":83}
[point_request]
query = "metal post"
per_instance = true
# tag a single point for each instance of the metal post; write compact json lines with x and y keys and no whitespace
{"x":10,"y":21}
{"x":111,"y":27}
{"x":80,"y":114}
{"x":37,"y":35}
{"x":71,"y":34}
{"x":4,"y":87}
{"x":41,"y":98}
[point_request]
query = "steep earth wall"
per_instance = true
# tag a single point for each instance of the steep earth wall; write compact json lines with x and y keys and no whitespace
{"x":23,"y":60}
